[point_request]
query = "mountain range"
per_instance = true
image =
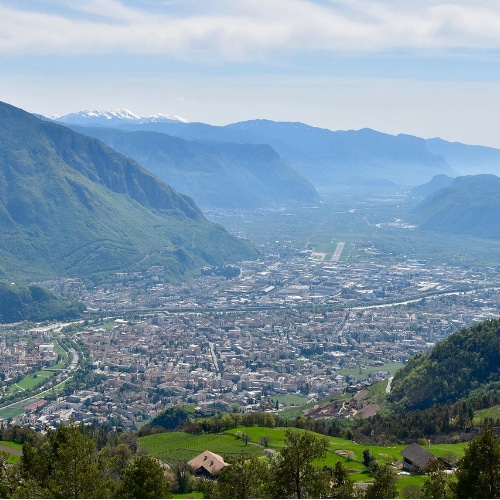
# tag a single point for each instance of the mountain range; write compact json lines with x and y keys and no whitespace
{"x":260,"y":162}
{"x":331,"y":160}
{"x":214,"y":174}
{"x":71,"y":206}
{"x":113,"y":118}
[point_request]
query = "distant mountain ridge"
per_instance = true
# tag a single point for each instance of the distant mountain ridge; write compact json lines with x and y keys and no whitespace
{"x":328,"y":159}
{"x":71,"y":206}
{"x":437,"y":182}
{"x":214,"y":174}
{"x":466,"y":159}
{"x":360,"y":160}
{"x":112,"y":118}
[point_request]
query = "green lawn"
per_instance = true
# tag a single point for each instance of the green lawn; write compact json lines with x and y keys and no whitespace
{"x":16,"y":409}
{"x":177,"y":444}
{"x":62,"y":354}
{"x":193,"y":494}
{"x":363,"y":373}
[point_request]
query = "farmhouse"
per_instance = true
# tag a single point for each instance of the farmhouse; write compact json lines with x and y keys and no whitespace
{"x":207,"y":464}
{"x":416,"y":458}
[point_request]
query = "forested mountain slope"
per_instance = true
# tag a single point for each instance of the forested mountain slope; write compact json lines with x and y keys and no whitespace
{"x":214,"y":174}
{"x":34,"y":303}
{"x":71,"y":206}
{"x":465,"y":363}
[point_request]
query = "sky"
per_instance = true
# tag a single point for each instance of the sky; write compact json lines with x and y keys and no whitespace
{"x":429,"y":68}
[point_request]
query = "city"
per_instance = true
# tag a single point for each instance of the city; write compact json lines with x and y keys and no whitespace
{"x":291,"y":328}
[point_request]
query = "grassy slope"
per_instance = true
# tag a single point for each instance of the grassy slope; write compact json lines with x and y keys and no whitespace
{"x":174,"y":446}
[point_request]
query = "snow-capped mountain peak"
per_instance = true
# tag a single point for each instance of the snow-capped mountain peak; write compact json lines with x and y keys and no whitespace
{"x":120,"y":116}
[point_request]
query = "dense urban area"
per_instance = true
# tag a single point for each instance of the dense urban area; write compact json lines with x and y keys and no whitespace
{"x":294,"y":323}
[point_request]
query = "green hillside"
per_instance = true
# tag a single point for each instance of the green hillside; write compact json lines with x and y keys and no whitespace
{"x":33,"y":303}
{"x":71,"y":206}
{"x":464,"y":364}
{"x":470,"y":205}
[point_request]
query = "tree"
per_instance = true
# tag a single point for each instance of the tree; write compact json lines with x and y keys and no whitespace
{"x":264,"y":441}
{"x":436,"y":483}
{"x":369,"y":460}
{"x":478,"y":474}
{"x":65,"y":466}
{"x":411,"y":491}
{"x":183,"y":478}
{"x":342,"y":486}
{"x":244,"y":479}
{"x":293,"y":474}
{"x":6,"y":476}
{"x":384,"y":484}
{"x":367,"y":457}
{"x":143,"y":478}
{"x":114,"y":459}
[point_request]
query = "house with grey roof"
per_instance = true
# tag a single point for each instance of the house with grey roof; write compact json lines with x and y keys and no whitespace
{"x":416,"y":458}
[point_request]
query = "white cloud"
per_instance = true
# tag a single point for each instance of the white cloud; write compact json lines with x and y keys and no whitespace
{"x":246,"y":30}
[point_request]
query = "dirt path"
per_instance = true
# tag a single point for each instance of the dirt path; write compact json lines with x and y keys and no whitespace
{"x":12,"y":451}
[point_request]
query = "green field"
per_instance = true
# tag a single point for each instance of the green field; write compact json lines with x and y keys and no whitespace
{"x":291,"y":399}
{"x":62,"y":354}
{"x":13,"y":458}
{"x":16,"y":409}
{"x":363,"y":373}
{"x":173,"y":446}
{"x":31,"y":381}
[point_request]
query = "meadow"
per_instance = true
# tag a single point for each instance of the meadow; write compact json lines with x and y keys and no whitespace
{"x":179,"y":446}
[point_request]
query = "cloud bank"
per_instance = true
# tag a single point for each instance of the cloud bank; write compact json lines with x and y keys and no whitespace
{"x":245,"y":30}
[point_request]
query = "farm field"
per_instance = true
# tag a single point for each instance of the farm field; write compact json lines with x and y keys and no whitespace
{"x":366,"y":226}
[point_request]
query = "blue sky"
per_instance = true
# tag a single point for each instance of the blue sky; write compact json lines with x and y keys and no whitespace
{"x":424,"y":67}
